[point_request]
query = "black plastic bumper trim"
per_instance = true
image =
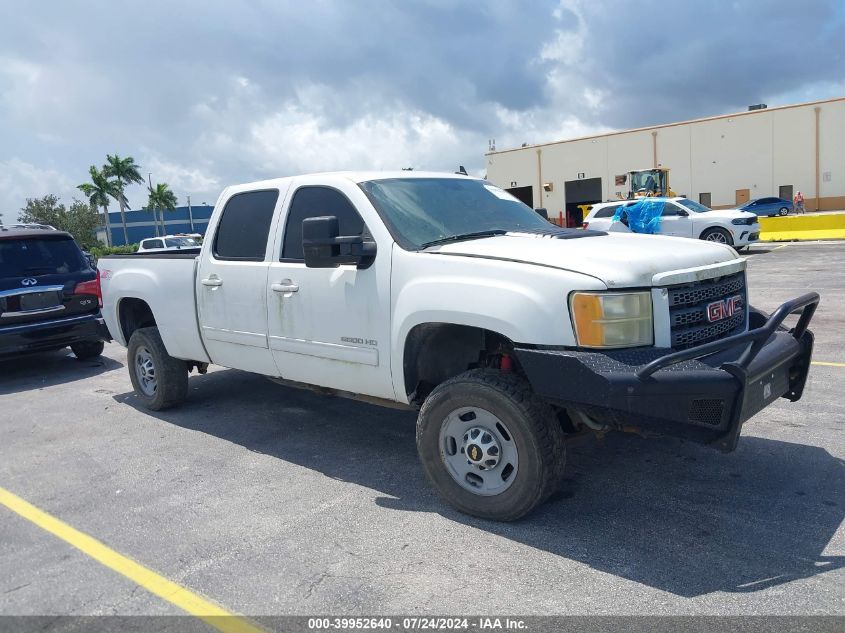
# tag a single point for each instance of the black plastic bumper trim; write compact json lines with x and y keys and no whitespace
{"x":49,"y":335}
{"x":703,"y":394}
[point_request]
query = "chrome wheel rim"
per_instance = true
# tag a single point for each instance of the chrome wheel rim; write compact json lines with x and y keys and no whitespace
{"x":715,"y":236}
{"x":145,"y":371}
{"x":478,"y":451}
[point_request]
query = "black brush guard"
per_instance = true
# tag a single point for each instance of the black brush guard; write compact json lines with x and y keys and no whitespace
{"x":703,"y":394}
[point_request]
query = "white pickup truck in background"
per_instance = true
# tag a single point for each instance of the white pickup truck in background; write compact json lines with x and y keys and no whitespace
{"x":445,"y":294}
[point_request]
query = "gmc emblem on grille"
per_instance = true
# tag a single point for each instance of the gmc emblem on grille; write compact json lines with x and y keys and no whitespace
{"x":724,"y":308}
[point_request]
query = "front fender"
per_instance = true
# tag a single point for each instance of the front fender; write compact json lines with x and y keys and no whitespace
{"x":525,"y":303}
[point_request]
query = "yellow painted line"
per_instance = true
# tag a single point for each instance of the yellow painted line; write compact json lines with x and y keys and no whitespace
{"x":172,"y":592}
{"x":827,"y":364}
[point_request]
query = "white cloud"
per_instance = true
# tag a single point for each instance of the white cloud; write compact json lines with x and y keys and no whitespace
{"x":20,"y":180}
{"x":336,"y":85}
{"x":293,"y":140}
{"x":182,"y":180}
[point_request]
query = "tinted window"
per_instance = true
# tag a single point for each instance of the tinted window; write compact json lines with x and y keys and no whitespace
{"x":606,"y":212}
{"x":245,"y":225}
{"x":32,"y":257}
{"x":313,"y":202}
{"x":152,"y":244}
{"x":693,"y":206}
{"x":669,"y":209}
{"x":181,"y":242}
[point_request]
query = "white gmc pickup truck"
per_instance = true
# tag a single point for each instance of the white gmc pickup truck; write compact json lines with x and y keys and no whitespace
{"x":445,"y":294}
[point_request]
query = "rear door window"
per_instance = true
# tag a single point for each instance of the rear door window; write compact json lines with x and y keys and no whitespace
{"x":606,"y":212}
{"x":152,"y":244}
{"x":245,"y":225}
{"x":32,"y":257}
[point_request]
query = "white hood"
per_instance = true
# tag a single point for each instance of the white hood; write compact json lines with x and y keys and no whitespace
{"x":727,"y":214}
{"x":619,"y":260}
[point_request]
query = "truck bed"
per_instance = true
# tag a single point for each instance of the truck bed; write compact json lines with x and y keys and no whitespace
{"x":166,"y":282}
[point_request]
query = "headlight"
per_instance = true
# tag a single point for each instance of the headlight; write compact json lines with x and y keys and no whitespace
{"x":744,"y":221}
{"x":612,"y":319}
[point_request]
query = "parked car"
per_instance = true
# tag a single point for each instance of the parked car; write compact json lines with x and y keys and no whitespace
{"x":49,"y":295}
{"x":167,"y":243}
{"x":767,"y":206}
{"x":683,"y":217}
{"x":445,"y":294}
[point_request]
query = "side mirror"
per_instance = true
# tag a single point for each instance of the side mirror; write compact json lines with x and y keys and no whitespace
{"x":324,"y":247}
{"x":683,"y":213}
{"x":543,"y":213}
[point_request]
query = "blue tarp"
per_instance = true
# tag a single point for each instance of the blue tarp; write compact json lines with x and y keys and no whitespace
{"x":642,"y":216}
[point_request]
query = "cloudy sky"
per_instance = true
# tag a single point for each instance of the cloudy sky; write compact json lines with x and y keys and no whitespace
{"x":208,"y":93}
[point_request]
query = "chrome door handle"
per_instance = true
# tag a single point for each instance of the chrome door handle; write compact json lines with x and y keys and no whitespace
{"x":285,"y":286}
{"x":214,"y":282}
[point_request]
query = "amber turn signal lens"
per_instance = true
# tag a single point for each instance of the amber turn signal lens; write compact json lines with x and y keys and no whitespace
{"x":612,"y":319}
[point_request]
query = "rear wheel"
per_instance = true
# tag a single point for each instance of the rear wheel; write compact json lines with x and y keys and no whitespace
{"x":720,"y":236}
{"x":491,"y":448}
{"x":160,"y":381}
{"x":84,"y":350}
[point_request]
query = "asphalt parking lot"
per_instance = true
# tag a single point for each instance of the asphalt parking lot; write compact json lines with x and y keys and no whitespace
{"x":270,"y":500}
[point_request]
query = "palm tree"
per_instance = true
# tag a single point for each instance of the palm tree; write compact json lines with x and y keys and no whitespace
{"x":161,"y":199}
{"x":98,"y":192}
{"x":125,"y":170}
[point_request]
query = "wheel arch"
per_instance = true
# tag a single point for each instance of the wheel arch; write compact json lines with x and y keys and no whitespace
{"x":434,"y":352}
{"x":133,"y":313}
{"x":710,"y":227}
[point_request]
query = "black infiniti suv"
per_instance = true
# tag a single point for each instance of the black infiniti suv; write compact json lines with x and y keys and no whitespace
{"x":49,"y":294}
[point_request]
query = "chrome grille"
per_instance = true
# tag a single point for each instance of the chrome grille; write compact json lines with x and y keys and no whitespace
{"x":688,"y":310}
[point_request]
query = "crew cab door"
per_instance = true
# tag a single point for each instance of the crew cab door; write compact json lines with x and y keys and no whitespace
{"x":675,"y":221}
{"x":231,"y":282}
{"x":331,"y":326}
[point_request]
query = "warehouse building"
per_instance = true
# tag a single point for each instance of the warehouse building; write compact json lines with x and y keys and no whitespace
{"x":141,"y":224}
{"x":721,"y":161}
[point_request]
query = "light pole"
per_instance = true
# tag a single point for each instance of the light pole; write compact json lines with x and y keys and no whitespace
{"x":190,"y":215}
{"x":155,"y":217}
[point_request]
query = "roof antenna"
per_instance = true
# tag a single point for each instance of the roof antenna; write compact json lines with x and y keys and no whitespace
{"x":462,"y":170}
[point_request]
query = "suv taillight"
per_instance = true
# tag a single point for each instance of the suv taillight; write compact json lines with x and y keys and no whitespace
{"x":586,"y":225}
{"x":90,"y":288}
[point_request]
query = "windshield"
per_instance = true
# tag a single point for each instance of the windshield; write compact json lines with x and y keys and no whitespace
{"x":33,"y":257}
{"x":693,"y":206}
{"x":642,"y":181}
{"x":424,"y":210}
{"x":184,"y":242}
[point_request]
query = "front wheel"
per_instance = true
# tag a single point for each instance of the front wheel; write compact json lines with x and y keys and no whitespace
{"x":160,"y":381}
{"x":783,"y":211}
{"x":720,"y":236}
{"x":491,"y":448}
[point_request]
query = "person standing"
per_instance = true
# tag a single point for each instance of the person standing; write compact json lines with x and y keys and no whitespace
{"x":798,"y":202}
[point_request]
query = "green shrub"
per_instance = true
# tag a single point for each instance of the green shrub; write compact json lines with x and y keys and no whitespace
{"x":101,"y":251}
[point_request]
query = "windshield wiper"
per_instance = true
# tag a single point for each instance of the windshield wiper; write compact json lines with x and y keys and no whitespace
{"x":464,"y":236}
